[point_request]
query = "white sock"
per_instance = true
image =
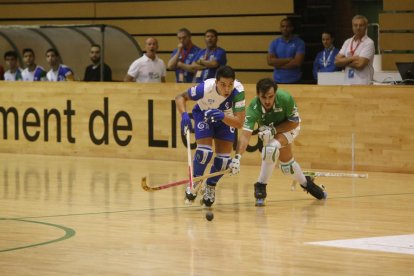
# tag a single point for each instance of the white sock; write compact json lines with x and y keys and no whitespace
{"x":266,"y":171}
{"x":298,"y":174}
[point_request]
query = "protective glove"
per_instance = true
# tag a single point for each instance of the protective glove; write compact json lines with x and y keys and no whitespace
{"x":213,"y":115}
{"x":266,"y":134}
{"x":235,"y":164}
{"x":186,"y":123}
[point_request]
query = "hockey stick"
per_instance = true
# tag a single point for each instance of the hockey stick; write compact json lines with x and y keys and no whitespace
{"x":190,"y":166}
{"x":147,"y":188}
{"x":335,"y":174}
{"x":329,"y":174}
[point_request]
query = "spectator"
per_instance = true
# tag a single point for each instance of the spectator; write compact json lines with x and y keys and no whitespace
{"x":149,"y":67}
{"x":183,"y":56}
{"x":14,"y":73}
{"x":1,"y":73}
{"x":58,"y":71}
{"x":357,"y":54}
{"x":209,"y":59}
{"x":286,"y":54}
{"x":93,"y":71}
{"x":32,"y":72}
{"x":325,"y":59}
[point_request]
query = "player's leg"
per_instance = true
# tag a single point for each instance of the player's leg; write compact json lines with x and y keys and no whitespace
{"x":270,"y":154}
{"x":223,"y":142}
{"x":203,"y":153}
{"x":289,"y":166}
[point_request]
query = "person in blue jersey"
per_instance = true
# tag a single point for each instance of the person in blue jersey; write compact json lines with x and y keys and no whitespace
{"x":32,"y":72}
{"x":58,"y":71}
{"x":219,"y":111}
{"x":275,"y":112}
{"x":183,"y":56}
{"x":286,"y":55}
{"x":209,"y":59}
{"x":14,"y":72}
{"x":325,"y":59}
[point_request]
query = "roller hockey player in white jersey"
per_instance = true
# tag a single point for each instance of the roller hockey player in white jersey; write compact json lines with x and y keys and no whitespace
{"x":275,"y":112}
{"x":220,"y":109}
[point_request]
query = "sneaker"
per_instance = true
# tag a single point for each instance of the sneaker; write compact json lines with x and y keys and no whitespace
{"x":260,"y":193}
{"x":314,"y":189}
{"x":209,"y":195}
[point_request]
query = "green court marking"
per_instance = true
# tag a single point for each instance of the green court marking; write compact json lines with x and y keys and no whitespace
{"x":69,"y":233}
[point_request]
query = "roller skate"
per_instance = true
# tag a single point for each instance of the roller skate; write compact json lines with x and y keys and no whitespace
{"x":314,"y":189}
{"x":260,"y":193}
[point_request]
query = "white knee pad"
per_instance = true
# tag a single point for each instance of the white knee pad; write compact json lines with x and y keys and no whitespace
{"x":270,"y":154}
{"x":287,"y":168}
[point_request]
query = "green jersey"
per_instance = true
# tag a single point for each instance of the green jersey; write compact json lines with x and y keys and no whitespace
{"x":284,"y":109}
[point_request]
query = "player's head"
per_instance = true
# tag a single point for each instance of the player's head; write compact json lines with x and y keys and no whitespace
{"x":266,"y":92}
{"x":151,"y":47}
{"x":327,"y":39}
{"x":95,"y":53}
{"x":28,"y":57}
{"x":211,"y":37}
{"x":225,"y":77}
{"x":286,"y":27}
{"x":359,"y":25}
{"x":10,"y":57}
{"x":52,"y":57}
{"x":184,"y":37}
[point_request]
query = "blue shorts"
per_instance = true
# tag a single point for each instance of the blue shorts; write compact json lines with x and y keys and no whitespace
{"x":217,"y":130}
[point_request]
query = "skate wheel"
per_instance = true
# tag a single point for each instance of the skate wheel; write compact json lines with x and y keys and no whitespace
{"x":260,"y":202}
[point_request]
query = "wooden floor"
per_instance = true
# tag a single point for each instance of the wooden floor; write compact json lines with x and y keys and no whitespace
{"x":89,"y":216}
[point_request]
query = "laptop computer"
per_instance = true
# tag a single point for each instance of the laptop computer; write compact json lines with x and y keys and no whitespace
{"x":406,"y":70}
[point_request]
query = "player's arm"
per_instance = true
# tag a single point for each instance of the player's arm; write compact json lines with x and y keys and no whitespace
{"x":342,"y":61}
{"x":207,"y":63}
{"x":172,"y":63}
{"x":187,"y":67}
{"x":273,"y":60}
{"x":235,"y":119}
{"x":180,"y":102}
{"x":243,"y":141}
{"x":129,"y":78}
{"x":295,"y":62}
{"x":359,"y":62}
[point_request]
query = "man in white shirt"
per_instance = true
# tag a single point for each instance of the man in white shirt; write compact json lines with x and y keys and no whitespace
{"x":14,"y":73}
{"x":149,"y":67}
{"x":32,"y":72}
{"x":357,"y":54}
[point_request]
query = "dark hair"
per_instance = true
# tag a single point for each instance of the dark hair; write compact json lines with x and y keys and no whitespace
{"x":96,"y":45}
{"x":10,"y":54}
{"x":329,"y":33}
{"x":289,"y":20}
{"x":225,"y":72}
{"x":213,"y":31}
{"x":28,"y":50}
{"x":184,"y":30}
{"x":264,"y":85}
{"x":54,"y":51}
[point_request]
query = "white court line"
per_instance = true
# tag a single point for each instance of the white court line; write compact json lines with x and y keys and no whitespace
{"x":403,"y":244}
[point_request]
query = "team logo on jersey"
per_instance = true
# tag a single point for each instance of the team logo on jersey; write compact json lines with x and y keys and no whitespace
{"x":210,"y":101}
{"x":227,"y":105}
{"x":193,"y":92}
{"x":202,"y":126}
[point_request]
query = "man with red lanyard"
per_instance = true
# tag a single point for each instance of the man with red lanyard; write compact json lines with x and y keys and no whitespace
{"x":357,"y":54}
{"x":183,"y":56}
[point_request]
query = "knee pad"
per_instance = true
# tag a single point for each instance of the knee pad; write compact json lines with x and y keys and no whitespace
{"x":202,"y":157}
{"x":287,"y":168}
{"x":220,"y":163}
{"x":270,"y":154}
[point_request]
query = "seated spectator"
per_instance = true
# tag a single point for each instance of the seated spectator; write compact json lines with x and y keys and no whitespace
{"x":149,"y":67}
{"x":93,"y":71}
{"x":286,"y":54}
{"x":58,"y":71}
{"x":183,"y":56}
{"x":32,"y":72}
{"x":209,"y":59}
{"x":325,"y":59}
{"x":14,"y":73}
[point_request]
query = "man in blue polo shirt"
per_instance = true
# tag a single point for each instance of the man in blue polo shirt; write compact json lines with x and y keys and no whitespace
{"x":286,"y":54}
